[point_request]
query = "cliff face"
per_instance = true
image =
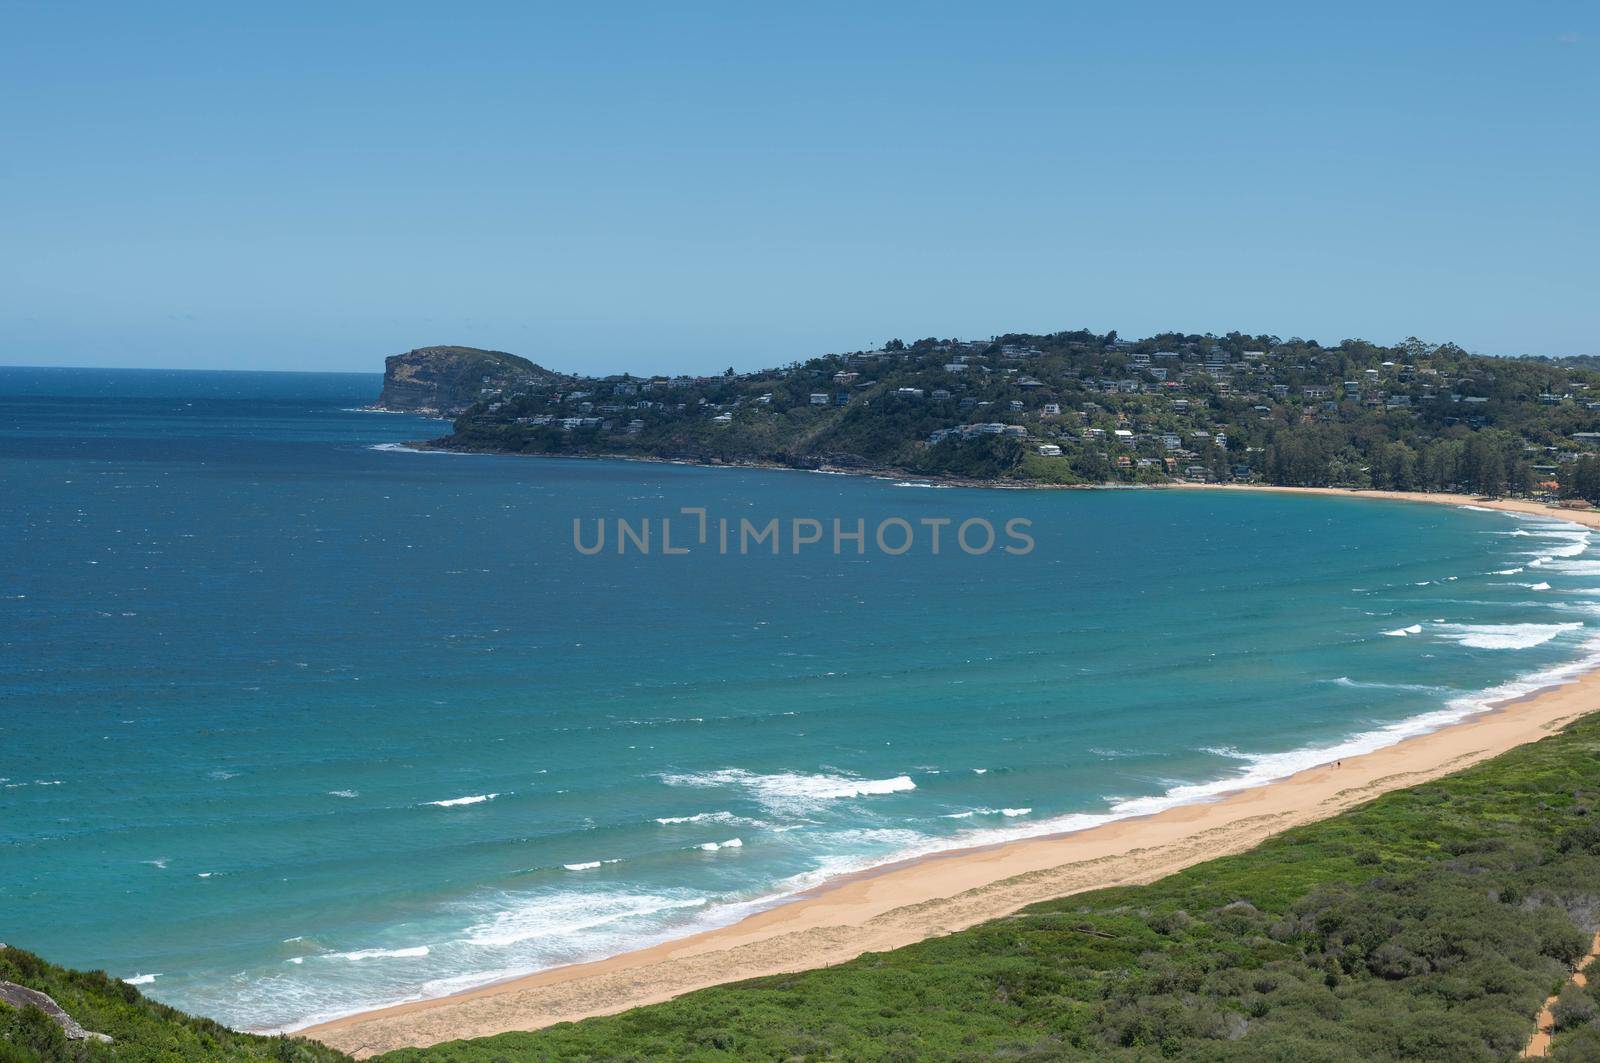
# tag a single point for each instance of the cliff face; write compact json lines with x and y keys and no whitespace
{"x":446,"y":380}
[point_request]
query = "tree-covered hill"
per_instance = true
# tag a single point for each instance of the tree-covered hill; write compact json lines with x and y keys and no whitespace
{"x":1077,"y":407}
{"x":447,"y":380}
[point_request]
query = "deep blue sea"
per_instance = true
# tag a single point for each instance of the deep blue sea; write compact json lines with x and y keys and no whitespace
{"x":294,"y":721}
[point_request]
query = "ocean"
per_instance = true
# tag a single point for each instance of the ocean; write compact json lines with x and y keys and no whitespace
{"x":296,"y":721}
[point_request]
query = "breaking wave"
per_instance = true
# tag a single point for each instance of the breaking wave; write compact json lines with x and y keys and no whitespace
{"x":793,"y":791}
{"x":454,"y":802}
{"x":1504,"y":636}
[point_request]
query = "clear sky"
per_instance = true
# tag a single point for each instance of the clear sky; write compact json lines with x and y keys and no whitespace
{"x":682,"y":187}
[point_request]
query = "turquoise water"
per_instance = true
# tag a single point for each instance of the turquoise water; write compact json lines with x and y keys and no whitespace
{"x":291,"y":725}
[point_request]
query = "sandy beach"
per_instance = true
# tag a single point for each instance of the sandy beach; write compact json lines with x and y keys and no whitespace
{"x":898,"y":904}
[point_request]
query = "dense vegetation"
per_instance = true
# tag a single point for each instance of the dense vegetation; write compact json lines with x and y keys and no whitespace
{"x":140,"y":1029}
{"x":1577,"y":1015}
{"x":1415,"y":416}
{"x":450,"y":379}
{"x":1428,"y":925}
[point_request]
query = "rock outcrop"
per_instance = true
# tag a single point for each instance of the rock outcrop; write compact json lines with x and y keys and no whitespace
{"x":20,"y":996}
{"x":447,"y":380}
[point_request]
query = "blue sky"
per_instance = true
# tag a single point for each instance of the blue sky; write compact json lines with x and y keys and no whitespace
{"x":681,"y":188}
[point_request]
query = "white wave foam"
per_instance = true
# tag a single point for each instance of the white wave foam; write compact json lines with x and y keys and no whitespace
{"x":1010,"y":812}
{"x":1421,"y":688}
{"x":459,"y":983}
{"x":1402,"y":632}
{"x":1504,"y":636}
{"x":453,"y":802}
{"x":401,"y":448}
{"x":1571,"y":546}
{"x":141,"y":979}
{"x":794,"y":791}
{"x":1559,"y":530}
{"x":1537,"y":586}
{"x":344,"y":793}
{"x":410,"y":952}
{"x":709,"y":817}
{"x":1577,"y":568}
{"x":587,"y":865}
{"x":1505,"y":572}
{"x":543,"y":917}
{"x":711,"y":847}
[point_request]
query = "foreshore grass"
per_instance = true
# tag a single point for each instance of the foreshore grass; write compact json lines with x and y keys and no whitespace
{"x":1429,"y":924}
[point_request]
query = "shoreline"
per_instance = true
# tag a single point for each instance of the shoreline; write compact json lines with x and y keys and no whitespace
{"x":902,"y":902}
{"x":877,"y":472}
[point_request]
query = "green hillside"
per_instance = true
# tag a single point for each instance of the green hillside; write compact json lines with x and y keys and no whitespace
{"x":141,"y":1030}
{"x":1080,"y":407}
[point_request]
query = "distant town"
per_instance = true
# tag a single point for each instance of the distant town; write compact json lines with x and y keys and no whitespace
{"x":1065,"y":408}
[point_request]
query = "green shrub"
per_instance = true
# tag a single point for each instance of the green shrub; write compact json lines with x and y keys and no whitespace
{"x":141,"y":1029}
{"x":1574,"y":1008}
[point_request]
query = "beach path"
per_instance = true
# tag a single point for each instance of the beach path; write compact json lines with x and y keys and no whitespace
{"x":1539,"y":1044}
